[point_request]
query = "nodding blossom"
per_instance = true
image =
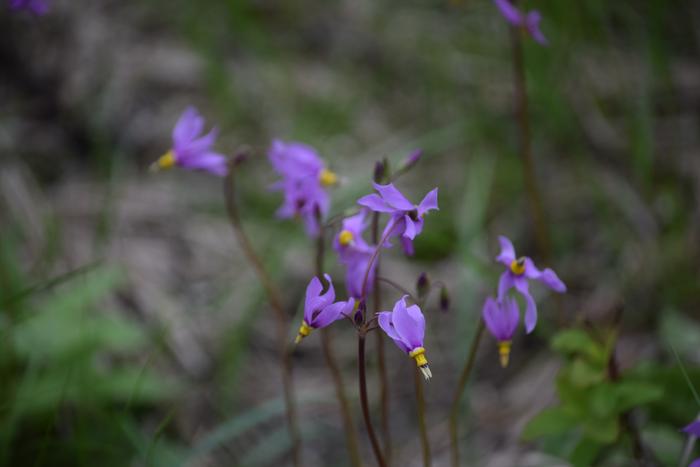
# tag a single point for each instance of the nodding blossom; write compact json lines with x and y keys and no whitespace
{"x":406,"y":218}
{"x":518,"y":273}
{"x":37,"y":7}
{"x":354,"y":254}
{"x":529,"y":21}
{"x":501,"y":319}
{"x":406,"y":327}
{"x":694,"y":430}
{"x":304,"y":183}
{"x":191,"y":150}
{"x":319,"y":310}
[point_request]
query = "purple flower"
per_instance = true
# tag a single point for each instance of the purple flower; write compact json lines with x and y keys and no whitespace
{"x":304,"y":182}
{"x":37,"y":7}
{"x":319,"y":310}
{"x":406,"y":327}
{"x":355,"y":254}
{"x":529,"y":21}
{"x":191,"y":150}
{"x":519,"y":271}
{"x":406,"y":218}
{"x":501,"y":318}
{"x":693,"y":429}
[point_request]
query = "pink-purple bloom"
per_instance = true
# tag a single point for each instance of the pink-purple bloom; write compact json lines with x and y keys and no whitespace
{"x":355,"y":254}
{"x":191,"y":149}
{"x":406,"y":327}
{"x":320,"y":310}
{"x":501,"y":319}
{"x":406,"y":218}
{"x":37,"y":7}
{"x":304,"y":183}
{"x":529,"y":21}
{"x":518,"y":273}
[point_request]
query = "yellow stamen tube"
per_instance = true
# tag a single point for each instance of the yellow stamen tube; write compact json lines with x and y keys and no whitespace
{"x":418,"y":354}
{"x":504,"y":352}
{"x":345,"y":238}
{"x":327,"y":177}
{"x":166,"y":161}
{"x":304,"y":330}
{"x":518,"y":266}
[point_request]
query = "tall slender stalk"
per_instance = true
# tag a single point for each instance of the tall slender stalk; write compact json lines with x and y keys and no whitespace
{"x":461,"y":384}
{"x":363,"y":400}
{"x":274,"y":297}
{"x":339,"y":386}
{"x":525,"y":143}
{"x":381,"y":359}
{"x":420,"y":406}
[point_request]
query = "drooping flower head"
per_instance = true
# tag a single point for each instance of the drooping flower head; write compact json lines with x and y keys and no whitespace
{"x":355,"y":254}
{"x":37,"y":7}
{"x":406,"y":218}
{"x":305,"y":181}
{"x":406,"y":327}
{"x":191,"y":150}
{"x":529,"y":21}
{"x":319,"y":309}
{"x":501,"y":318}
{"x":518,"y":273}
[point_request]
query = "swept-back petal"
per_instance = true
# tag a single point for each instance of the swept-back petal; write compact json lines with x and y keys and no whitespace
{"x":507,"y":254}
{"x":188,"y":127}
{"x":428,"y":203}
{"x":521,"y":286}
{"x":410,"y":228}
{"x":332,"y":313}
{"x":409,"y":323}
{"x":212,"y":162}
{"x":509,"y":12}
{"x":385,"y":322}
{"x":693,"y":428}
{"x":375,"y":203}
{"x":532,"y":24}
{"x":505,"y":283}
{"x":551,"y":280}
{"x":393,"y":197}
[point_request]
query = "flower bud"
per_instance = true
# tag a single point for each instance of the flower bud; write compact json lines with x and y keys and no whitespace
{"x":380,"y":171}
{"x":423,"y":285}
{"x":360,"y":312}
{"x":444,"y":299}
{"x":412,"y":159}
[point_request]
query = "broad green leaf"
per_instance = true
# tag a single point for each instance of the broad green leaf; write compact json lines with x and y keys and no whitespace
{"x":584,"y":374}
{"x":577,"y":341}
{"x":602,"y":430}
{"x":631,"y":394}
{"x":585,"y":452}
{"x":551,"y":421}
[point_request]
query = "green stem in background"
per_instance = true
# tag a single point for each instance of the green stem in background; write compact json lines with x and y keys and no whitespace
{"x":461,"y":384}
{"x":381,"y":359}
{"x":327,"y":348}
{"x":420,"y":406}
{"x":363,"y":399}
{"x":525,"y":143}
{"x":275,"y":300}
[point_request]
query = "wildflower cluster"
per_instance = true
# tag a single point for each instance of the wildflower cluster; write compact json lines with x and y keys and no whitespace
{"x":502,"y":315}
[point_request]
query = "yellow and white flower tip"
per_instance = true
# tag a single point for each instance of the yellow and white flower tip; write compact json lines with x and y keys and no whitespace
{"x":327,"y":177}
{"x":345,"y":238}
{"x":304,"y":330}
{"x":164,"y":162}
{"x":418,"y":354}
{"x":517,"y":266}
{"x":504,"y":352}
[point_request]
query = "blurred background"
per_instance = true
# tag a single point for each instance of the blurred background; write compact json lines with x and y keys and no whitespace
{"x":133,"y":332}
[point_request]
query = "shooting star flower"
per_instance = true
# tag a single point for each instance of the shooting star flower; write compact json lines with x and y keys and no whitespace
{"x":319,"y":310}
{"x":529,"y":21}
{"x":501,"y":318}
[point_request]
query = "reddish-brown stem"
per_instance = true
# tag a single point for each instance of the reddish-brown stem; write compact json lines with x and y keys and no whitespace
{"x":275,"y":300}
{"x":461,"y":384}
{"x":339,"y":386}
{"x":381,"y":359}
{"x":525,"y":143}
{"x":420,"y":407}
{"x":363,"y":400}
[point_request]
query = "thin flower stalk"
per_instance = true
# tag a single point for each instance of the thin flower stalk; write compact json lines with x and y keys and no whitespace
{"x":461,"y":384}
{"x":275,"y":300}
{"x":381,"y":359}
{"x":376,"y":449}
{"x":525,"y":143}
{"x":329,"y":356}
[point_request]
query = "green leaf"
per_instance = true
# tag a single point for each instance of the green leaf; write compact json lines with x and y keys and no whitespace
{"x":631,"y":394}
{"x":602,"y":430}
{"x":585,"y":452}
{"x":551,"y":421}
{"x":584,"y":374}
{"x":577,"y":341}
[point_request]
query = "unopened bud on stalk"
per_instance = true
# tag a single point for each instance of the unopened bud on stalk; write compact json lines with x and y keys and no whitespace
{"x":412,"y":159}
{"x":380,"y":171}
{"x":423,"y":285}
{"x":444,"y":299}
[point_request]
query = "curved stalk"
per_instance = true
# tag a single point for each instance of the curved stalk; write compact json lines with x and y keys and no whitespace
{"x":363,"y":400}
{"x":339,"y":386}
{"x":275,"y":300}
{"x":461,"y":384}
